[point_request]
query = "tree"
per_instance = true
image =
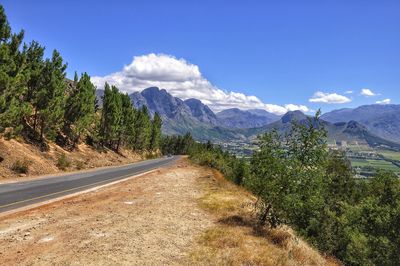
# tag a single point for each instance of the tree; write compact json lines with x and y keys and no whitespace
{"x":34,"y":70}
{"x":287,"y":175}
{"x":13,"y":105}
{"x":155,"y":138}
{"x":111,"y":116}
{"x":49,"y":101}
{"x":142,"y":129}
{"x":80,"y":108}
{"x":372,"y":226}
{"x":269,"y":180}
{"x":127,"y":127}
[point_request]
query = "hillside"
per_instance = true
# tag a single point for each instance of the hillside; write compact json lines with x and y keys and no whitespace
{"x":351,"y":131}
{"x":236,"y":118}
{"x":381,"y":120}
{"x":180,"y":117}
{"x":376,"y":125}
{"x":180,"y":215}
{"x":17,"y":152}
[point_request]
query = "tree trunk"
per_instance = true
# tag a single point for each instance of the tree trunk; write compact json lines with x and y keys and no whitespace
{"x":41,"y":130}
{"x":34,"y":120}
{"x":263,"y":217}
{"x":118,"y":143}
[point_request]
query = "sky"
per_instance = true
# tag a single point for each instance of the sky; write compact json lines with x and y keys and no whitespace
{"x":275,"y":55}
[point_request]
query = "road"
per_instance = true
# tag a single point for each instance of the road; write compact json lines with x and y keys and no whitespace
{"x":21,"y":194}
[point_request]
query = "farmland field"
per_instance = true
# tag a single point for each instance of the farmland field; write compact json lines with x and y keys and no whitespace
{"x":392,"y":155}
{"x":368,"y":159}
{"x":376,"y":164}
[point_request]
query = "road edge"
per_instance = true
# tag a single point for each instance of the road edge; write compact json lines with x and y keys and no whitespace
{"x":39,"y":204}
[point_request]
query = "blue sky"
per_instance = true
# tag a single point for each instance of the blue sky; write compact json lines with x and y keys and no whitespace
{"x":283,"y":52}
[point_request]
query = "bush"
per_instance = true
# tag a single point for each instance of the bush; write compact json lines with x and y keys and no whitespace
{"x":79,"y":165}
{"x":63,"y":162}
{"x":21,"y":167}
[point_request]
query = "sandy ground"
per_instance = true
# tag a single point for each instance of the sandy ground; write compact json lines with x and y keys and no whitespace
{"x":152,"y":219}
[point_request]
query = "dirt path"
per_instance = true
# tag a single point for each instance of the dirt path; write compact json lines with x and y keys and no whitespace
{"x":150,"y":220}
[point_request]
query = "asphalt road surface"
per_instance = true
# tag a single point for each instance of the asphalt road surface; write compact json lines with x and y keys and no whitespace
{"x":21,"y":194}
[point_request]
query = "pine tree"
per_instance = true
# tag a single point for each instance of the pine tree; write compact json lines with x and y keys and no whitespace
{"x":80,"y":108}
{"x":142,"y":130}
{"x":50,"y":98}
{"x":13,"y":105}
{"x":104,"y":121}
{"x":127,"y":122}
{"x":34,"y":68}
{"x":111,"y":116}
{"x":155,"y":138}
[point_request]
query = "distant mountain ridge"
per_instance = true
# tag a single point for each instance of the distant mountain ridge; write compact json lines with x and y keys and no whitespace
{"x":197,"y":118}
{"x":201,"y":111}
{"x":236,"y":118}
{"x":372,"y":124}
{"x":381,"y":120}
{"x":180,"y":117}
{"x":351,"y":131}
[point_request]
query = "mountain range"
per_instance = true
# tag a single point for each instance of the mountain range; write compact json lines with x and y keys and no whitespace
{"x":369,"y":124}
{"x":381,"y":120}
{"x":191,"y":115}
{"x":351,"y":132}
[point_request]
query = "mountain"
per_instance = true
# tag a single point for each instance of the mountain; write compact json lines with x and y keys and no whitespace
{"x":180,"y":117}
{"x":283,"y":125}
{"x":351,"y":131}
{"x":236,"y":118}
{"x":381,"y":120}
{"x":162,"y":102}
{"x":99,"y":97}
{"x":372,"y":125}
{"x":201,"y":111}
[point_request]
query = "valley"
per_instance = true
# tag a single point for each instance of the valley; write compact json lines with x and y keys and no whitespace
{"x":199,"y":133}
{"x":367,"y":134}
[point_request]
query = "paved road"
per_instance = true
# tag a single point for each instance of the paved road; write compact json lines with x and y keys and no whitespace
{"x":16,"y":195}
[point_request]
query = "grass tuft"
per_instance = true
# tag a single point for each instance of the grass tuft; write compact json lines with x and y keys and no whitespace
{"x":20,"y":167}
{"x":63,"y":162}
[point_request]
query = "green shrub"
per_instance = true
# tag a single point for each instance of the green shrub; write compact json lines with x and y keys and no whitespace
{"x":21,"y":167}
{"x":63,"y":162}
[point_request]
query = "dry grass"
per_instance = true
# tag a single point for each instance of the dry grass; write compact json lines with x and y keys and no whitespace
{"x":41,"y":163}
{"x":236,"y":239}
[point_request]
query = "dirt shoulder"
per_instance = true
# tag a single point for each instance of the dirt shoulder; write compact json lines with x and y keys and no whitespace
{"x":148,"y":220}
{"x":179,"y":215}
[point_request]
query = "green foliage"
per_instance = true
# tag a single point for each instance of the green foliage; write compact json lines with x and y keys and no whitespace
{"x":234,"y":169}
{"x":287,"y":175}
{"x":177,"y":145}
{"x":80,"y":108}
{"x":127,"y":129}
{"x":300,"y":183}
{"x":155,"y":138}
{"x":49,"y":101}
{"x":142,"y":130}
{"x":39,"y":103}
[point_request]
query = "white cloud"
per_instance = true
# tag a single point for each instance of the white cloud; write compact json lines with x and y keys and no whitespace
{"x":385,"y":101}
{"x":184,"y":80}
{"x":367,"y":93}
{"x":294,"y":107}
{"x":348,"y":92}
{"x":323,"y":97}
